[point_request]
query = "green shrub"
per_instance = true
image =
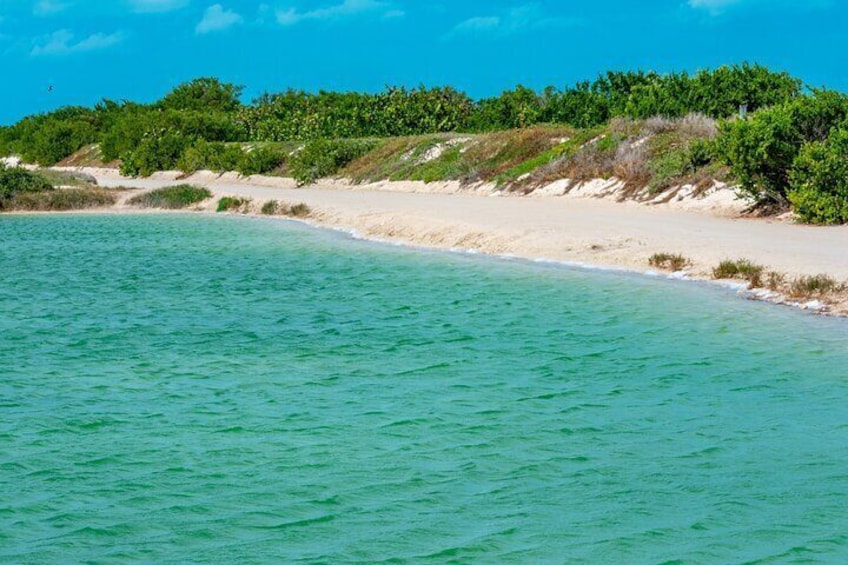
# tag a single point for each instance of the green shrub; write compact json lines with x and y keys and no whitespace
{"x":56,"y":140}
{"x":324,"y":157}
{"x":63,"y":200}
{"x":154,"y":153}
{"x":298,"y":210}
{"x":740,"y":269}
{"x":171,"y":197}
{"x":761,"y":150}
{"x":213,"y":156}
{"x":270,"y":208}
{"x":819,"y":181}
{"x":232,"y":204}
{"x":15,"y":181}
{"x":260,"y":160}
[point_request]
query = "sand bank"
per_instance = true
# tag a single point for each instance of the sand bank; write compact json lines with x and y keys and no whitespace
{"x":574,"y":228}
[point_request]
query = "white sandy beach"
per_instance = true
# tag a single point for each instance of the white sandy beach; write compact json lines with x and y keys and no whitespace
{"x":587,"y":230}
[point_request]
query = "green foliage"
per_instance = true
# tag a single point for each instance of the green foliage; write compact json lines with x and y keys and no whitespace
{"x":761,"y":150}
{"x":214,"y":156}
{"x":232,"y":204}
{"x":172,"y":197}
{"x":261,"y":160}
{"x":15,"y":181}
{"x":325,"y":157}
{"x":270,"y":208}
{"x":203,"y":95}
{"x":154,"y":153}
{"x":819,"y":180}
{"x":674,"y":159}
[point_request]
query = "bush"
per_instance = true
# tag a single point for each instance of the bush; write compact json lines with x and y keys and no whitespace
{"x":171,"y":197}
{"x":56,"y":140}
{"x":299,"y":210}
{"x":232,"y":204}
{"x":324,"y":157}
{"x":15,"y":181}
{"x":261,"y":160}
{"x":270,"y":208}
{"x":761,"y":150}
{"x":819,"y":181}
{"x":215,"y":156}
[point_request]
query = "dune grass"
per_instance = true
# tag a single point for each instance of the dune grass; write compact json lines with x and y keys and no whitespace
{"x":171,"y":197}
{"x":62,"y":200}
{"x":669,"y":261}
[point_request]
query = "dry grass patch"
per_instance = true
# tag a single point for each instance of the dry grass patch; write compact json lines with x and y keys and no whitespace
{"x":741,"y":269}
{"x":62,"y":200}
{"x":669,"y":261}
{"x":815,"y":286}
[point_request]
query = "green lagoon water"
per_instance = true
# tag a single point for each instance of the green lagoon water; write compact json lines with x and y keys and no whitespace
{"x":182,"y":389}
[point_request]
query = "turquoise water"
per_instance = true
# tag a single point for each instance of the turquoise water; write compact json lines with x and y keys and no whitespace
{"x":181,"y":389}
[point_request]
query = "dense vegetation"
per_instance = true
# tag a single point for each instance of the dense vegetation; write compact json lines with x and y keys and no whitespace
{"x":28,"y":191}
{"x":628,"y":125}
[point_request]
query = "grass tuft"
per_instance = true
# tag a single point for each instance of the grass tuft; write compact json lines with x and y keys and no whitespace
{"x":299,"y":211}
{"x":814,"y":286}
{"x":270,"y":208}
{"x":740,"y":269}
{"x":232,"y":204}
{"x":171,"y":197}
{"x":669,"y":261}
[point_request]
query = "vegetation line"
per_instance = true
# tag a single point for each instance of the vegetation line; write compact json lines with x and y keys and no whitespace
{"x":648,"y":130}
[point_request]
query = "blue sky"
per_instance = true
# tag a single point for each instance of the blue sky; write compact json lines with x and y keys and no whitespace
{"x":139,"y":49}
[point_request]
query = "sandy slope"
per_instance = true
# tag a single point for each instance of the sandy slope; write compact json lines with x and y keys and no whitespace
{"x":576,"y":229}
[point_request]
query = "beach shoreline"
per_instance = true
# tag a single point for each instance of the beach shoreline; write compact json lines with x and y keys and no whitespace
{"x":578,"y":230}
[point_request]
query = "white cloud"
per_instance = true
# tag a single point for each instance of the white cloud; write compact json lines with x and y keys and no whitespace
{"x":347,"y":8}
{"x":516,"y":20}
{"x":157,"y":6}
{"x":49,"y":7}
{"x":217,"y":18}
{"x":62,"y":43}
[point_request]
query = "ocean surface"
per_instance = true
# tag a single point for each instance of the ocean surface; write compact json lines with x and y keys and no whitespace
{"x":185,"y":389}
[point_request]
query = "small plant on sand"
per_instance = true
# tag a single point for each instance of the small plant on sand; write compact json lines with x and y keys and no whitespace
{"x":171,"y":197}
{"x":740,"y":269}
{"x":775,"y":280}
{"x":816,"y":285}
{"x":298,"y":210}
{"x":232,"y":204}
{"x":270,"y":208}
{"x":669,"y":261}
